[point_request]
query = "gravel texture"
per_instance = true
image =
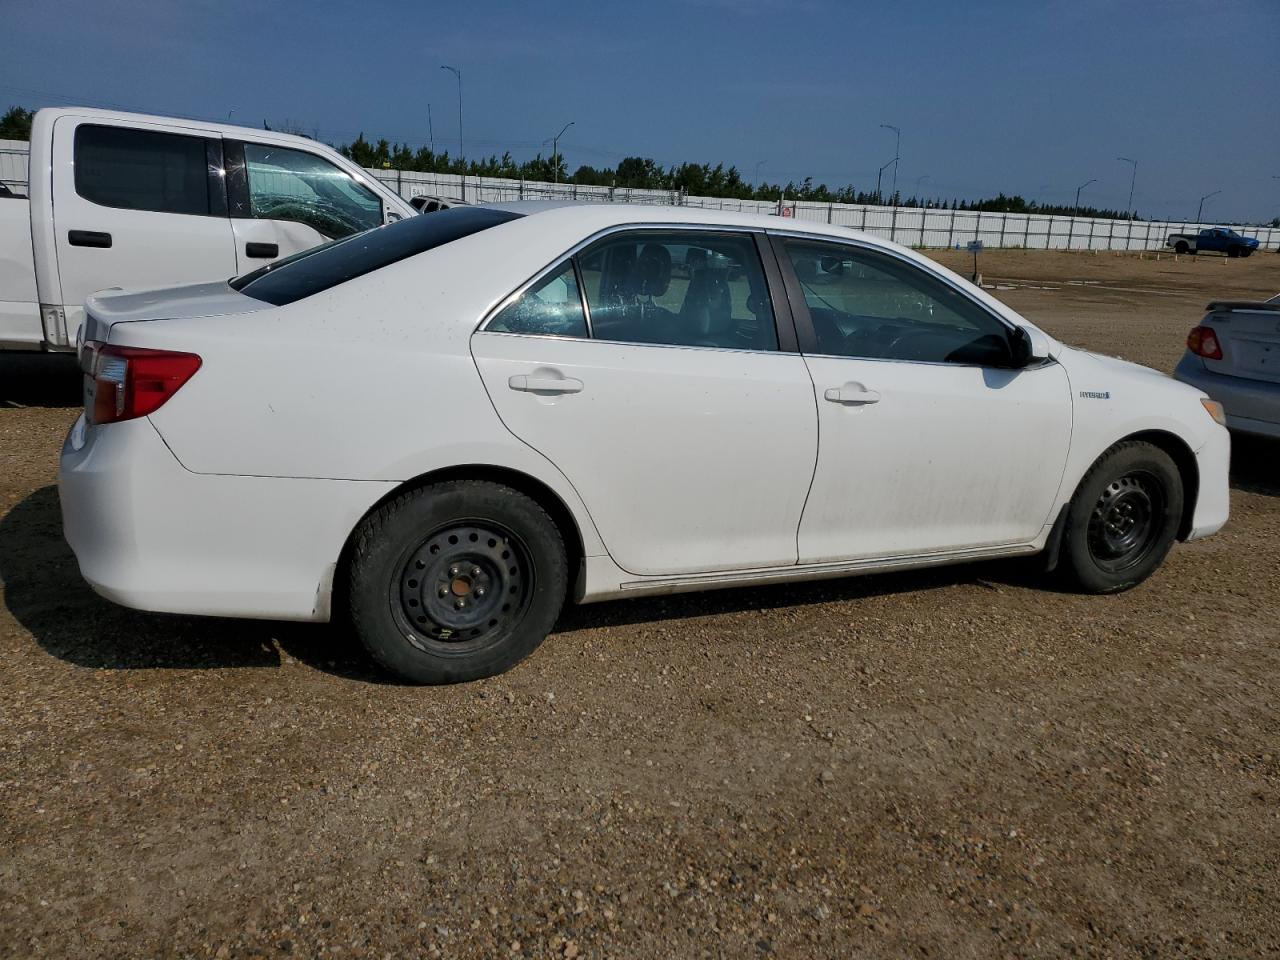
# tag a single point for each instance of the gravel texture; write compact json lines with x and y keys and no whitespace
{"x":956,"y":763}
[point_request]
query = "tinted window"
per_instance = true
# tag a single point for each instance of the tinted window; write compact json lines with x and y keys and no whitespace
{"x":866,"y":304}
{"x":142,"y":169}
{"x":295,"y":185}
{"x":694,"y":289}
{"x":315,"y":270}
{"x":551,"y":307}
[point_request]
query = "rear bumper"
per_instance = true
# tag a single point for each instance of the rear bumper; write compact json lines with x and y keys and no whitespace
{"x":1252,"y":406}
{"x":149,"y":534}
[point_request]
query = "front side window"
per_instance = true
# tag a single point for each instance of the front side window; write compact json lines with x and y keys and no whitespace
{"x":874,"y":306}
{"x":551,"y":307}
{"x":287,"y":184}
{"x":134,"y":169}
{"x":692,"y":289}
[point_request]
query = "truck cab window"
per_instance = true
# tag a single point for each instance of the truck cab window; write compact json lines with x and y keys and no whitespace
{"x":136,"y":169}
{"x":287,"y":184}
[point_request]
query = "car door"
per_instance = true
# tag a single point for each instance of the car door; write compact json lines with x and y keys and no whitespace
{"x":649,"y":368}
{"x":285,"y":200}
{"x":928,"y":440}
{"x":137,"y":205}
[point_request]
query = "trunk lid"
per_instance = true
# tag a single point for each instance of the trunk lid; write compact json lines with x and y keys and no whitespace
{"x":108,"y":307}
{"x":1249,"y":335}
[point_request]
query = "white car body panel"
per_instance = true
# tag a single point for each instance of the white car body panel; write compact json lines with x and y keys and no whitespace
{"x":347,"y":395}
{"x":664,"y":444}
{"x":981,"y":467}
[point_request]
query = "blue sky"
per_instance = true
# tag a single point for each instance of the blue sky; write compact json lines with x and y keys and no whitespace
{"x":1026,"y":97}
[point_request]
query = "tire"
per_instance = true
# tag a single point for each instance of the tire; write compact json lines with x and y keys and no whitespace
{"x":1123,"y":518}
{"x":455,"y":581}
{"x":1181,"y":247}
{"x":1233,"y":252}
{"x":1247,"y":252}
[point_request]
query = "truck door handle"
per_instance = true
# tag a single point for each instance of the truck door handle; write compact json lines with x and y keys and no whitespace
{"x":88,"y":238}
{"x":529,"y":384}
{"x":261,"y":250}
{"x":852,"y":393}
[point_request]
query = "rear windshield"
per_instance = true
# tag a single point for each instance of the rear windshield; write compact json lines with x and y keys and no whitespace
{"x":316,"y":270}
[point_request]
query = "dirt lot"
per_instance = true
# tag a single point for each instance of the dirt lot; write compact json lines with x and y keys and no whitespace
{"x":960,"y":763}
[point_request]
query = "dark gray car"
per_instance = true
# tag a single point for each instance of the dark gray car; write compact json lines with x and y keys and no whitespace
{"x":1234,"y":357}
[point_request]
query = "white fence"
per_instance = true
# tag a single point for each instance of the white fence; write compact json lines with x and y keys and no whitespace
{"x":911,"y":226}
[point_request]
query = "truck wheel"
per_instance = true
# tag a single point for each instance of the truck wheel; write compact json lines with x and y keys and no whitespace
{"x":456,"y":581}
{"x":1181,"y":247}
{"x":1123,"y":518}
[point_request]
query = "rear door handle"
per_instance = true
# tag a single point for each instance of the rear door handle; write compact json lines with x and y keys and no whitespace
{"x":261,"y":250}
{"x":88,"y":238}
{"x":545,"y":384}
{"x":852,"y":393}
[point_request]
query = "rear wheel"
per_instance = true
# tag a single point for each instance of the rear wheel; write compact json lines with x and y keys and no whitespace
{"x":456,"y":581}
{"x":1123,"y":518}
{"x":1181,"y":247}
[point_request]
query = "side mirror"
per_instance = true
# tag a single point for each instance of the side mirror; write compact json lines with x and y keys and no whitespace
{"x":1026,"y":348}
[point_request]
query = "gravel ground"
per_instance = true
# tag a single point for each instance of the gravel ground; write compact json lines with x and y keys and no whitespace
{"x":956,"y":763}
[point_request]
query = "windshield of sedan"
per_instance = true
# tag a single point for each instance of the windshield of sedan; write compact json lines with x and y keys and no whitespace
{"x":313,"y":271}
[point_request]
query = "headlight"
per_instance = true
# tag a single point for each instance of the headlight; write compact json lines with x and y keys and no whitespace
{"x":1214,"y":409}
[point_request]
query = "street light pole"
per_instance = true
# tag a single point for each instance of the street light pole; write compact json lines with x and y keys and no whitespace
{"x":756,"y":182}
{"x":431,"y":132}
{"x":1132,"y":181}
{"x":1076,"y":211}
{"x":462,"y":152}
{"x":879,"y":197}
{"x":1200,"y":209}
{"x":897,"y":155}
{"x":555,"y":154}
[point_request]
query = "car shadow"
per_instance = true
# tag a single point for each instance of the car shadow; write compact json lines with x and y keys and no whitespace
{"x":1255,"y":465}
{"x":39,"y":380}
{"x":45,"y":593}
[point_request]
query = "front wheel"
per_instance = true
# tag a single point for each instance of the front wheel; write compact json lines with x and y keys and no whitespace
{"x":1123,"y":518}
{"x":1233,"y":252}
{"x":456,"y":581}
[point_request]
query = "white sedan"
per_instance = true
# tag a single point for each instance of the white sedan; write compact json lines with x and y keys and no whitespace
{"x":442,"y":428}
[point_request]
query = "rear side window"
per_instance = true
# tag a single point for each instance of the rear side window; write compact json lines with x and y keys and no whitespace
{"x":320,"y":268}
{"x":142,"y":169}
{"x":551,"y":307}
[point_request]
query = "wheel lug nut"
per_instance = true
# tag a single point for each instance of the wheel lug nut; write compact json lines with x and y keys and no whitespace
{"x":453,"y":571}
{"x":459,"y":604}
{"x":479,"y":591}
{"x":444,"y":591}
{"x":475,"y":571}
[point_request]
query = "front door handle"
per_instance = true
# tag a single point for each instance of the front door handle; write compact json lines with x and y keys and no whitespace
{"x":852,"y":393}
{"x":88,"y":238}
{"x":261,"y":251}
{"x":545,"y":384}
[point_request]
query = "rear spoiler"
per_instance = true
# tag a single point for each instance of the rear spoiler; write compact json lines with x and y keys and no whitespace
{"x":1223,"y":306}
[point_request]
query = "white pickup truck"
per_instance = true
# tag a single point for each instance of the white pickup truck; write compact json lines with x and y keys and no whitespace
{"x":133,"y":201}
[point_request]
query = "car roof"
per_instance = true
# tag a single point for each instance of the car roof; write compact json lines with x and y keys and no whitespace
{"x":600,"y":215}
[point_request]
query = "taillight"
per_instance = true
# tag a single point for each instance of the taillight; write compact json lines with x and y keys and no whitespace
{"x":1203,"y":342}
{"x":127,"y":382}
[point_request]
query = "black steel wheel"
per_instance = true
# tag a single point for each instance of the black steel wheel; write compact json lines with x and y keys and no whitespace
{"x":1123,"y":526}
{"x":455,"y":581}
{"x":1123,"y":519}
{"x":464,"y":585}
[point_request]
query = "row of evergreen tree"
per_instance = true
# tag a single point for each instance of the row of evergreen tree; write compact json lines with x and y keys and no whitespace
{"x":694,"y":179}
